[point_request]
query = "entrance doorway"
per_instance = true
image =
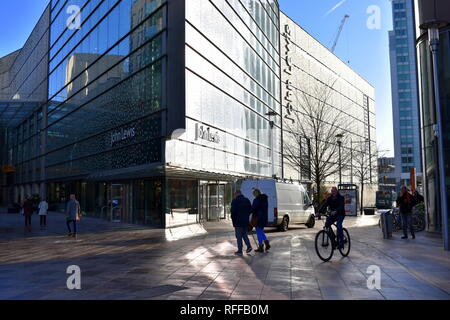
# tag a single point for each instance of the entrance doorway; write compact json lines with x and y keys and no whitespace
{"x":212,"y":199}
{"x":120,"y":204}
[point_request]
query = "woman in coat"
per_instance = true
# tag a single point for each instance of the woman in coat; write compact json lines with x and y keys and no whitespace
{"x":260,"y":210}
{"x":43,"y":208}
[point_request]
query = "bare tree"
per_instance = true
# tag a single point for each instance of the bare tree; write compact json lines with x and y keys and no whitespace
{"x":365,"y":164}
{"x":312,"y":118}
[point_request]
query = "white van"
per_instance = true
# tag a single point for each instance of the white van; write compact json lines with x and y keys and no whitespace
{"x":288,"y":202}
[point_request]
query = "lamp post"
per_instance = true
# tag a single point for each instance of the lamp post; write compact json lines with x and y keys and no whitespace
{"x":433,"y":38}
{"x":339,"y":142}
{"x":272,"y":144}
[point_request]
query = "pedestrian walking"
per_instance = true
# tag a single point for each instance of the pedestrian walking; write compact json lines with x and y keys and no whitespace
{"x":43,"y":209}
{"x":260,"y":212}
{"x":406,"y":202}
{"x":240,"y":214}
{"x":73,"y":215}
{"x":28,"y":210}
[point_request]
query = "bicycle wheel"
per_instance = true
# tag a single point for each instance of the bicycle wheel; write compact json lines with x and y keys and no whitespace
{"x":324,"y":246}
{"x":347,"y":244}
{"x":418,"y":223}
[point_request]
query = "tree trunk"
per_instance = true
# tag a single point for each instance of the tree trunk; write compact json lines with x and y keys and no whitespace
{"x":361,"y":208}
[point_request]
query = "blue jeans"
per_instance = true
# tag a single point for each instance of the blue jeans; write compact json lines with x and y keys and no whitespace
{"x":261,"y":235}
{"x":407,"y":223}
{"x":339,"y":219}
{"x":74,"y":226}
{"x":241,"y":233}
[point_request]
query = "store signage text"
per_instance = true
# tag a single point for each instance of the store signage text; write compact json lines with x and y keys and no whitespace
{"x":288,"y":70}
{"x":205,"y":133}
{"x":123,"y":134}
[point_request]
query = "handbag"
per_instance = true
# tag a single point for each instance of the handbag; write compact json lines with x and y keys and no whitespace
{"x":254,"y":221}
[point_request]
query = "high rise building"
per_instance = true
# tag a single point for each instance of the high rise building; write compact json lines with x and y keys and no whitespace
{"x":404,"y":92}
{"x":433,"y":23}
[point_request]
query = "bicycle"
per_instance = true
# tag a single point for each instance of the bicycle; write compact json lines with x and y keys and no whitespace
{"x":418,"y":220}
{"x":326,"y":242}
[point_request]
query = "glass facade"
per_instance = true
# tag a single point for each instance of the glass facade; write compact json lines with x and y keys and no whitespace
{"x":232,"y":82}
{"x":428,"y":114}
{"x":404,"y":91}
{"x":101,"y":128}
{"x":105,"y":88}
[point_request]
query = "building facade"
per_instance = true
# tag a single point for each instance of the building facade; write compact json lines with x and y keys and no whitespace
{"x":387,"y":179}
{"x":437,"y":14}
{"x":153,"y":108}
{"x":313,"y":77}
{"x":405,"y":102}
{"x":150,"y":111}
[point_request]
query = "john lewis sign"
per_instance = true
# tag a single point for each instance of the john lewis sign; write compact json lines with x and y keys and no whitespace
{"x":205,"y":133}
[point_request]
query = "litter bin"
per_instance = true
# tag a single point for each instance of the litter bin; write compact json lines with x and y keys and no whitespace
{"x":369,"y":211}
{"x":386,"y":223}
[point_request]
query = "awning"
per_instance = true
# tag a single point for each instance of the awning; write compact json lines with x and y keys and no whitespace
{"x":13,"y":112}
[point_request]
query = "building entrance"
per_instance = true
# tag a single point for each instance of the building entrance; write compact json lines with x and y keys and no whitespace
{"x":213,"y":200}
{"x":120,"y":204}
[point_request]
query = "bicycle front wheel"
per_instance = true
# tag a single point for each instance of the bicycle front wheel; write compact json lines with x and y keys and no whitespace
{"x":324,"y":246}
{"x":345,"y":250}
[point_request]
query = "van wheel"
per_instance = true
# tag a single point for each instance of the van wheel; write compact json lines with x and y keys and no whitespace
{"x":311,"y":222}
{"x":284,"y":224}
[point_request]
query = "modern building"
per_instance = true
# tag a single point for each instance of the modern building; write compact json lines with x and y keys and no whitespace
{"x":311,"y":76}
{"x":152,"y":110}
{"x":405,"y":101}
{"x":387,"y":179}
{"x":434,"y":75}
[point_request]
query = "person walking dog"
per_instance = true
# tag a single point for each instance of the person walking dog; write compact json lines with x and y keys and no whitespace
{"x":260,"y":212}
{"x":73,"y":215}
{"x":240,"y":213}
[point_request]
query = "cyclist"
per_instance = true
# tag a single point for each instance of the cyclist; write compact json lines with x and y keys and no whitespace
{"x":336,"y":204}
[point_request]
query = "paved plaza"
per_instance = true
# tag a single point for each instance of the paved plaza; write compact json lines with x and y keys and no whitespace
{"x":120,"y":261}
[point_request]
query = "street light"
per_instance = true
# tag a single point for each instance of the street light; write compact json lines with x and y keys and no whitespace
{"x":339,"y":142}
{"x":272,"y":153}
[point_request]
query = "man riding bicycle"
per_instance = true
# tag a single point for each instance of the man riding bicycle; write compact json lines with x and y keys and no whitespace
{"x":336,"y":204}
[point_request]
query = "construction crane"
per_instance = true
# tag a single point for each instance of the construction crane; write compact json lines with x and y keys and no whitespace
{"x":339,"y":32}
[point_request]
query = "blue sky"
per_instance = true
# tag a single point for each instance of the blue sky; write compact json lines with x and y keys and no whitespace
{"x":367,"y":50}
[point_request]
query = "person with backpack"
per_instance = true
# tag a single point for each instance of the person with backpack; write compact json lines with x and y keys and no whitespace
{"x":259,"y":211}
{"x":406,"y":201}
{"x":240,"y":213}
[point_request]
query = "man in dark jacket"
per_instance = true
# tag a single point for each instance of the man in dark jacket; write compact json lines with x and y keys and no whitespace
{"x":240,"y":214}
{"x":336,"y":203}
{"x":406,"y":202}
{"x":260,"y":208}
{"x":28,"y":210}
